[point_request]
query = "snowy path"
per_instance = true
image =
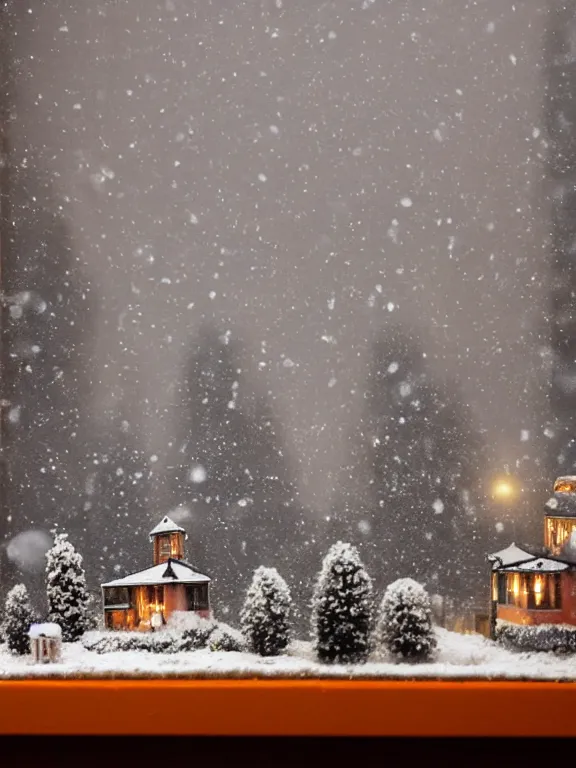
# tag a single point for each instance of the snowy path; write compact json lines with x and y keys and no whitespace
{"x":458,"y":657}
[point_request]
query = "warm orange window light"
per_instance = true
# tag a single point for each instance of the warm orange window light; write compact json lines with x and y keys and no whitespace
{"x":538,"y":590}
{"x":557,"y":531}
{"x":565,"y":485}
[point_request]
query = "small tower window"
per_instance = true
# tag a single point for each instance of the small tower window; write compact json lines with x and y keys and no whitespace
{"x":565,"y":485}
{"x":165,"y":547}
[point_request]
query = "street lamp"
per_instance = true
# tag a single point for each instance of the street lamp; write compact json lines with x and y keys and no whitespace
{"x":504,"y":492}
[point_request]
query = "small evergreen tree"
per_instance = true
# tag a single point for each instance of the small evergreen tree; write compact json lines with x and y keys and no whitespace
{"x":18,"y":616}
{"x":342,"y":607}
{"x":68,"y":598}
{"x":265,"y":615}
{"x":405,"y":621}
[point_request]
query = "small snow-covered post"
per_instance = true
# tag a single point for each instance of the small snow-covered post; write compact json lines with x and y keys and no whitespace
{"x":265,"y":615}
{"x":68,"y":597}
{"x":45,"y":642}
{"x":405,"y":622}
{"x":18,"y":616}
{"x":342,"y":607}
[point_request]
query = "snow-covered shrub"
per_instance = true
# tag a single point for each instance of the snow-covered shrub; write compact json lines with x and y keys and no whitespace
{"x":558,"y":638}
{"x":164,"y":642}
{"x":18,"y":616}
{"x":342,"y":607}
{"x":110,"y":642}
{"x":265,"y":615}
{"x":226,"y":638}
{"x":405,"y":621}
{"x":200,"y":633}
{"x":182,"y":620}
{"x":195,"y":632}
{"x":68,"y":597}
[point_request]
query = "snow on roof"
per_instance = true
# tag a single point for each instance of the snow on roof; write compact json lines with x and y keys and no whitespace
{"x":165,"y":573}
{"x":511,"y":554}
{"x":542,"y":564}
{"x":44,"y":630}
{"x":166,"y":525}
{"x":562,"y":504}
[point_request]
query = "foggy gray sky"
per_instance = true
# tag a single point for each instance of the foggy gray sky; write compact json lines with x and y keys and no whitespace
{"x":303,"y":173}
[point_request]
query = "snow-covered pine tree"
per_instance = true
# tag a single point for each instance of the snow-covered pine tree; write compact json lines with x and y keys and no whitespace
{"x":68,"y":598}
{"x":342,"y":607}
{"x":265,"y":615}
{"x":405,"y":621}
{"x":18,"y":616}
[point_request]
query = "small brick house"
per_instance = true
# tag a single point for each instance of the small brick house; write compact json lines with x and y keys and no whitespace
{"x":538,"y":585}
{"x":144,"y":600}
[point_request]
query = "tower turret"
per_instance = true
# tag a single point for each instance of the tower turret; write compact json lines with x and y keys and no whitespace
{"x":168,"y":541}
{"x":560,"y":518}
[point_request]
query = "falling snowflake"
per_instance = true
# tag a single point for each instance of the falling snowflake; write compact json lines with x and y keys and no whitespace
{"x":14,"y":415}
{"x":198,"y":474}
{"x":438,"y":507}
{"x":28,"y":550}
{"x":405,"y":389}
{"x":364,"y":527}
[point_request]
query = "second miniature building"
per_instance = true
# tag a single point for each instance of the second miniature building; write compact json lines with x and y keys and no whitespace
{"x":538,"y":586}
{"x":145,"y":600}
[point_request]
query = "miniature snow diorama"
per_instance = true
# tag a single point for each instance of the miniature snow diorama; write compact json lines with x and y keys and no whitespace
{"x":288,"y":339}
{"x":158,"y":621}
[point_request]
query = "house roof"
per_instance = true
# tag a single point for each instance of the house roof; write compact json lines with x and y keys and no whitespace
{"x":170,"y":572}
{"x":509,"y":556}
{"x":166,"y":525}
{"x":561,"y":505}
{"x":539,"y":565}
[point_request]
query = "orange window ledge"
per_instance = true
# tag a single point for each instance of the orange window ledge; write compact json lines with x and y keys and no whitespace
{"x":299,"y":708}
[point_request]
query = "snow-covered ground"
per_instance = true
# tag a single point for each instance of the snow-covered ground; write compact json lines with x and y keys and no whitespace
{"x":458,"y":656}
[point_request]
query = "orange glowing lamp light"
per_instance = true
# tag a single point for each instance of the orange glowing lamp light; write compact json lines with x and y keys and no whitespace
{"x":503,"y":490}
{"x":538,"y":590}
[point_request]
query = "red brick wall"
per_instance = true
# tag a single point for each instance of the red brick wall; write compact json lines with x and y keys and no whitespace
{"x":566,"y":615}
